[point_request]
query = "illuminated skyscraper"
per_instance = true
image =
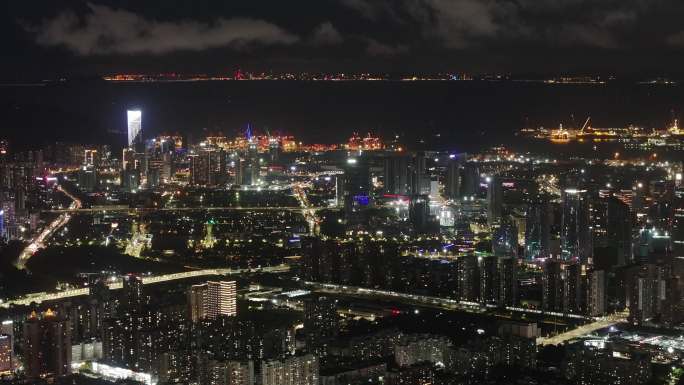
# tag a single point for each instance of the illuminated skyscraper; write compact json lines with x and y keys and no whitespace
{"x":7,"y":358}
{"x":576,"y":240}
{"x":538,"y":230}
{"x":2,"y":224}
{"x":494,"y":200}
{"x":552,"y":286}
{"x":87,"y":178}
{"x":90,"y":157}
{"x":508,"y":282}
{"x":573,"y":289}
{"x":356,"y":188}
{"x":470,"y":181}
{"x":274,"y":150}
{"x":505,"y":240}
{"x":396,"y":179}
{"x":678,"y":223}
{"x":134,"y":126}
{"x":419,"y":213}
{"x":419,"y":178}
{"x":212,"y":299}
{"x":489,"y":279}
{"x":5,"y":353}
{"x":202,"y":168}
{"x":467,"y":278}
{"x":596,"y":293}
{"x":452,"y":184}
{"x":612,"y":225}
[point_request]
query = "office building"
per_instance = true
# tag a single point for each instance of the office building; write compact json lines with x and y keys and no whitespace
{"x":87,"y":178}
{"x":494,"y":200}
{"x":128,"y":159}
{"x":419,"y":178}
{"x":619,"y":230}
{"x":452,"y":182}
{"x":134,"y":124}
{"x":470,"y":181}
{"x":356,"y":188}
{"x":538,"y":230}
{"x":274,"y":150}
{"x":576,"y":236}
{"x":505,"y":239}
{"x":678,"y":223}
{"x":202,"y":168}
{"x":396,"y":175}
{"x":419,"y":213}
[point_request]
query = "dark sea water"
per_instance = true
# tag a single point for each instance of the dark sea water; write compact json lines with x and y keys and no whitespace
{"x":458,"y":116}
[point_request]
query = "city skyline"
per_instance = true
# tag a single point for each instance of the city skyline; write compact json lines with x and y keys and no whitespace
{"x":342,"y":192}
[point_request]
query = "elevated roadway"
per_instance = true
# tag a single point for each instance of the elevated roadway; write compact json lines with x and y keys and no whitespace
{"x":42,"y":297}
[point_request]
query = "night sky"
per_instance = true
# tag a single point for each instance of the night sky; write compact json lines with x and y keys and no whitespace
{"x":46,"y":38}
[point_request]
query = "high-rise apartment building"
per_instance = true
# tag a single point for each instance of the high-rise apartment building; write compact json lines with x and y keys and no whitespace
{"x":47,"y":346}
{"x":212,"y":299}
{"x":299,"y":370}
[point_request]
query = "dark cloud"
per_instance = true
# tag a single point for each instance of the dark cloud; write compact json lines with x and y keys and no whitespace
{"x":376,"y":48}
{"x":676,"y":39}
{"x":105,"y":30}
{"x":459,"y":24}
{"x":100,"y":35}
{"x":326,"y":33}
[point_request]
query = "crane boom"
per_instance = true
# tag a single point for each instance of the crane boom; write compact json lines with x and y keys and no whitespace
{"x":586,"y":122}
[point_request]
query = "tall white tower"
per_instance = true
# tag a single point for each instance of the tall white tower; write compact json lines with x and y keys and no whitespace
{"x":134,"y":126}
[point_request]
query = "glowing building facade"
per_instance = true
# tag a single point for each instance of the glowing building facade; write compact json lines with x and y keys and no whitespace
{"x":134,"y":126}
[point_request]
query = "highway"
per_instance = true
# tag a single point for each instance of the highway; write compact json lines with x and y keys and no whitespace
{"x":410,"y":299}
{"x":451,"y":304}
{"x":586,"y":329}
{"x":42,"y":297}
{"x":424,"y":300}
{"x":38,"y":242}
{"x":308,"y":211}
{"x":145,"y":209}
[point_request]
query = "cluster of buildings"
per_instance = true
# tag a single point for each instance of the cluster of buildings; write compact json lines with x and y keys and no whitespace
{"x":496,"y":233}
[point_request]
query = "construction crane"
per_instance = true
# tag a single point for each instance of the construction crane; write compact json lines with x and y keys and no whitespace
{"x":586,"y":122}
